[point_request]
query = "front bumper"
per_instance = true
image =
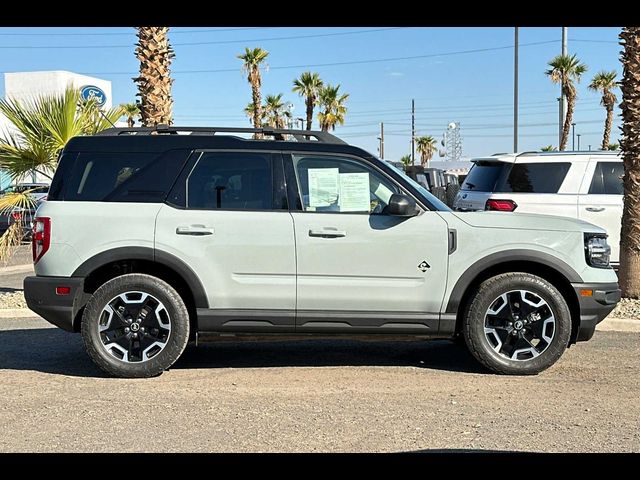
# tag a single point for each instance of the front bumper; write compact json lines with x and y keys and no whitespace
{"x":594,"y":308}
{"x":60,"y":310}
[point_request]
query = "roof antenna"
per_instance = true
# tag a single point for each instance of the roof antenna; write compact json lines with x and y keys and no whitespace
{"x":80,"y":105}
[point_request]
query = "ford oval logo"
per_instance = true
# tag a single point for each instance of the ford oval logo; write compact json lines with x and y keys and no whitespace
{"x":89,"y":92}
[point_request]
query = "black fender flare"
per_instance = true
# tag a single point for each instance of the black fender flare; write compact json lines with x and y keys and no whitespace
{"x":148,"y":254}
{"x":516,"y":255}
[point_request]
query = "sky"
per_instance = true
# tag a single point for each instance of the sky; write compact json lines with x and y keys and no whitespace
{"x":460,"y":75}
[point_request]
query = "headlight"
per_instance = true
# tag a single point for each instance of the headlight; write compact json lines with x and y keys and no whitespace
{"x":596,"y":250}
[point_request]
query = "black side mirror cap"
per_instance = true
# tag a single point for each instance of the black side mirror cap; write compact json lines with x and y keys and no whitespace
{"x":402,"y":206}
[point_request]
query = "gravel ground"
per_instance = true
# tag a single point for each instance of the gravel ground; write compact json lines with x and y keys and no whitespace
{"x":12,"y":300}
{"x":315,"y":395}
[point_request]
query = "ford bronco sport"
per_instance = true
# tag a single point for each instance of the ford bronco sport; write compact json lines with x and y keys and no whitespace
{"x":151,"y":236}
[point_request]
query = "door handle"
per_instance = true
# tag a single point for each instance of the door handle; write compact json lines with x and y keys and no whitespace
{"x":595,"y":209}
{"x":327,"y":233}
{"x":196,"y":230}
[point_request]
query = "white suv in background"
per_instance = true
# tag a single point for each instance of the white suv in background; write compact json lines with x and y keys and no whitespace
{"x":583,"y":185}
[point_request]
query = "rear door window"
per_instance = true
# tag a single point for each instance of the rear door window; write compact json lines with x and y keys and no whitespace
{"x":607,"y":179}
{"x":534,"y":178}
{"x":483,"y":176}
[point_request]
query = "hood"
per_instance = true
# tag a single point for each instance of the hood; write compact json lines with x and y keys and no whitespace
{"x":526,"y":221}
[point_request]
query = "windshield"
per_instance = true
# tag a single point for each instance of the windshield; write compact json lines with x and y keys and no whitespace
{"x":425,"y":193}
{"x":483,"y":176}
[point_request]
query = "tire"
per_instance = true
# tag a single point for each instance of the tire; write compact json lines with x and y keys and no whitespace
{"x":452,"y":191}
{"x":162,"y":326}
{"x":497,"y":347}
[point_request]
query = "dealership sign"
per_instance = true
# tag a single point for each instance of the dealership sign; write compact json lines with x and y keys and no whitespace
{"x":89,"y":92}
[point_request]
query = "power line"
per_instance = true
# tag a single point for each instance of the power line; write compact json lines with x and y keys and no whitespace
{"x":173,"y":32}
{"x":216,"y":42}
{"x":351,"y":62}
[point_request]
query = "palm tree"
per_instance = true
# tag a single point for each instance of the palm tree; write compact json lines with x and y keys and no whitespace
{"x":613,"y":146}
{"x":249,"y":110}
{"x":548,"y":148}
{"x":565,"y":69}
{"x":629,"y":273}
{"x":605,"y":82}
{"x":131,"y":110}
{"x":308,"y":86}
{"x":332,"y":105}
{"x":406,"y":161}
{"x":253,"y":59}
{"x":276,"y":112}
{"x":41,"y":127}
{"x":426,"y":147}
{"x":154,"y":82}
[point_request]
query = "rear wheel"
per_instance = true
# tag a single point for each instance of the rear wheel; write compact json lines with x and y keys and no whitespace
{"x":517,"y":323}
{"x":135,"y":326}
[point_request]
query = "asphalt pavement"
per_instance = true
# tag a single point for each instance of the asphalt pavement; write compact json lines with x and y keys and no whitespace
{"x":315,"y":395}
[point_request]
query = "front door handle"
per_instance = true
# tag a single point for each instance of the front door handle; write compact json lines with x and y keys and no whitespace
{"x":595,"y":209}
{"x":196,"y":230}
{"x":328,"y":232}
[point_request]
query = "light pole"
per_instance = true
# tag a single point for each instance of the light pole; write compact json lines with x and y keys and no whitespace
{"x":515,"y":92}
{"x":573,"y":134}
{"x":578,"y":135}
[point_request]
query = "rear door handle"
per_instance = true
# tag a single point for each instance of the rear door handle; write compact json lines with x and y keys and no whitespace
{"x":327,"y":232}
{"x":595,"y":209}
{"x":196,"y":230}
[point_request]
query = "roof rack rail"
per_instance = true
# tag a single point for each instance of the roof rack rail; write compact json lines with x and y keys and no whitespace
{"x":276,"y":133}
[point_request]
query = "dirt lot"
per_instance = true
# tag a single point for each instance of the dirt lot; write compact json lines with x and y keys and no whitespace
{"x":318,"y":395}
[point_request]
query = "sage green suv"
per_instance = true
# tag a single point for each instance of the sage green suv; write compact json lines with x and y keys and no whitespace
{"x":150,"y":237}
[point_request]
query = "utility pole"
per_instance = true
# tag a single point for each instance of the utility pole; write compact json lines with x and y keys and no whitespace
{"x":563,"y":107}
{"x":573,"y":135}
{"x":381,"y":140}
{"x":413,"y":132}
{"x":515,"y":93}
{"x":578,"y":141}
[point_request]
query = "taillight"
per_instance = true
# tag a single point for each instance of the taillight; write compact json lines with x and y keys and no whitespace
{"x":501,"y":205}
{"x":40,"y":238}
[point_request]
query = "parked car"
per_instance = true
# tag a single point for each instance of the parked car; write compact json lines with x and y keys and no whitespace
{"x":38,"y":192}
{"x":581,"y":185}
{"x":149,"y":238}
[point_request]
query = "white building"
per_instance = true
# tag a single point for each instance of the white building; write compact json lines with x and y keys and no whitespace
{"x":25,"y":85}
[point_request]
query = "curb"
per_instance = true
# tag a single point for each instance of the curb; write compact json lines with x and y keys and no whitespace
{"x":27,"y":267}
{"x":608,"y":325}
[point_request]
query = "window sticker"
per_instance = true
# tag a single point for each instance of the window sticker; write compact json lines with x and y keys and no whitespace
{"x":354,"y":192}
{"x":383,"y":193}
{"x":323,"y":186}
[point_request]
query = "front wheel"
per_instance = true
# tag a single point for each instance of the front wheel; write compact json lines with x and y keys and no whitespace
{"x":135,"y":326}
{"x":517,"y":324}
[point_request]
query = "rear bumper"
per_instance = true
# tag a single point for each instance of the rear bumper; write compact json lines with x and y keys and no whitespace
{"x":595,"y":308}
{"x":60,"y":310}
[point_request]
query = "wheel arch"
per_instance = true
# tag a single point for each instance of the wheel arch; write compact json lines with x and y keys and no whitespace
{"x":119,"y":261}
{"x":550,"y":268}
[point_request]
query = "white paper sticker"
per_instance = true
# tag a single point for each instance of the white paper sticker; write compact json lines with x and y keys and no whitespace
{"x":383,"y":193}
{"x":354,"y":192}
{"x":323,"y":186}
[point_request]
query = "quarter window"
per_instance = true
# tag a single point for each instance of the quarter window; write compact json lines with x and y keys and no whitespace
{"x":534,"y":178}
{"x":341,"y":185}
{"x":231,"y":181}
{"x":607,"y":179}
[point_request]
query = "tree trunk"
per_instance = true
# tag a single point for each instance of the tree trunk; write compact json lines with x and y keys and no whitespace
{"x":629,"y":275}
{"x":257,"y":106}
{"x":566,"y":128}
{"x":130,"y":122}
{"x":309,"y":112}
{"x":607,"y":127}
{"x":154,"y":82}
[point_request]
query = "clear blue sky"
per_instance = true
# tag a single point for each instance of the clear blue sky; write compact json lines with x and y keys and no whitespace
{"x":475,"y":89}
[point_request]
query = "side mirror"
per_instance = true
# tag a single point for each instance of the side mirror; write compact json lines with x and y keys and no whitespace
{"x":402,"y":206}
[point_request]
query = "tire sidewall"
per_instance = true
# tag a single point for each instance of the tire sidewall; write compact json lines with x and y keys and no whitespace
{"x":178,"y":316}
{"x":487,"y":294}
